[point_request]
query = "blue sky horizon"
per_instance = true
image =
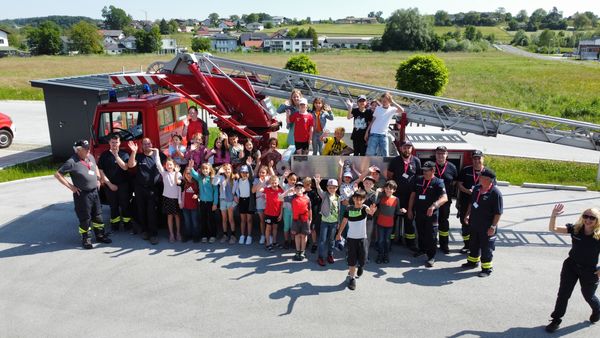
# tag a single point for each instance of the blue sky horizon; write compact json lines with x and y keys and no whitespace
{"x":140,"y":9}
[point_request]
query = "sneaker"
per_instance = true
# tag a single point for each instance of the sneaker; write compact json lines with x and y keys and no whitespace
{"x":248,"y":240}
{"x":429,"y":263}
{"x":223,"y":239}
{"x":418,"y":253}
{"x":321,"y":261}
{"x":232,"y":239}
{"x":103,"y":239}
{"x":352,"y":284}
{"x":379,"y":260}
{"x":270,"y":248}
{"x":153,"y":240}
{"x":595,"y":317}
{"x":485,"y":273}
{"x":297,"y":257}
{"x":359,"y":271}
{"x":386,"y":260}
{"x":464,"y":250}
{"x":313,"y":248}
{"x":86,"y":243}
{"x":470,"y":265}
{"x":445,"y":250}
{"x":330,"y":259}
{"x":553,"y":326}
{"x":261,"y":241}
{"x":204,"y":240}
{"x":211,"y":240}
{"x":242,"y":239}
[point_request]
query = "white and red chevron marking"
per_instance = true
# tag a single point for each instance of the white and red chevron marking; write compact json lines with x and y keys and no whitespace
{"x":136,"y":79}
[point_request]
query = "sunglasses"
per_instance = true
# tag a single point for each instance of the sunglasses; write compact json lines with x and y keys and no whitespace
{"x":590,"y":217}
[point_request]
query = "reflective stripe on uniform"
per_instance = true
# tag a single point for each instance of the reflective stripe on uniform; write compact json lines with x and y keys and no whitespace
{"x":82,"y":231}
{"x":473,"y":259}
{"x":115,"y":220}
{"x":98,"y":225}
{"x":486,"y":265}
{"x":444,"y":233}
{"x":466,"y":237}
{"x":126,"y":219}
{"x":410,"y":236}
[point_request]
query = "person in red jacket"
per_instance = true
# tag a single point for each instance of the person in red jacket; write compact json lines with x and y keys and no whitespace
{"x":303,"y":127}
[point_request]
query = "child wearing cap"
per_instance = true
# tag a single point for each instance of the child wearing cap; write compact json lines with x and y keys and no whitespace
{"x":362,"y":115}
{"x":355,"y":218}
{"x":242,"y":192}
{"x":330,"y":207}
{"x":303,"y":127}
{"x":388,"y":206}
{"x":301,"y":218}
{"x":347,"y":186}
{"x":335,"y":145}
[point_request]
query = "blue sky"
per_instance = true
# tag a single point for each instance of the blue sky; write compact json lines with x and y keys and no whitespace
{"x":316,"y":9}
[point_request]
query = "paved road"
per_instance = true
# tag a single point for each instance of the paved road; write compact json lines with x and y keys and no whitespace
{"x":49,"y":287}
{"x":518,"y":51}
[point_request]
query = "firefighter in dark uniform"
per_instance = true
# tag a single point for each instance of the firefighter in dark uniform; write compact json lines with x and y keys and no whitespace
{"x":427,"y":196}
{"x":113,"y":172}
{"x":85,"y":179}
{"x":447,"y":172}
{"x":147,"y":188}
{"x":403,"y":169}
{"x":483,"y":215}
{"x":467,"y":179}
{"x":582,"y":263}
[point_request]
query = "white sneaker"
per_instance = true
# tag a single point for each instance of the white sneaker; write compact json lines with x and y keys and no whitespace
{"x":262,"y":240}
{"x":232,"y":239}
{"x":248,"y":240}
{"x":211,"y":240}
{"x":242,"y":239}
{"x":204,"y":239}
{"x":224,"y":239}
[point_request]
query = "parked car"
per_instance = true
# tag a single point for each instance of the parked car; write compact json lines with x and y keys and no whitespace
{"x":7,"y":131}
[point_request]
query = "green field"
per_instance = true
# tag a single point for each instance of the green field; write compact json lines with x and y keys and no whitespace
{"x":339,"y":29}
{"x":500,"y":34}
{"x":493,"y":78}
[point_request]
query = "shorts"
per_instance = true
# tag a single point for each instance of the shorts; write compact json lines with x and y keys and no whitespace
{"x":287,"y":219}
{"x":244,"y":205}
{"x":224,"y":205}
{"x":271,"y":220}
{"x":170,"y":206}
{"x":300,"y":227}
{"x":301,"y":145}
{"x":261,"y":204}
{"x":356,"y":251}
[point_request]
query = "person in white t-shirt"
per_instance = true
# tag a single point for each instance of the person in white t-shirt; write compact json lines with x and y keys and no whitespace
{"x":377,"y":143}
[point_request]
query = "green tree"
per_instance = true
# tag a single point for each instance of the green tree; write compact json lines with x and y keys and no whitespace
{"x":520,"y":38}
{"x":537,"y":16}
{"x":513,"y":25}
{"x":269,"y":25}
{"x":200,"y":44}
{"x":302,"y":63}
{"x":441,"y":18}
{"x":252,"y":17}
{"x":406,"y":29}
{"x":522,"y":16}
{"x":547,"y":38}
{"x":173,"y":26}
{"x":581,"y":21}
{"x":234,"y":17}
{"x":472,"y":18}
{"x":470,"y":32}
{"x":86,"y":39}
{"x":115,"y":18}
{"x":425,"y":74}
{"x":214,"y":19}
{"x":312,"y":33}
{"x":163,"y":26}
{"x":148,"y":41}
{"x":45,"y":39}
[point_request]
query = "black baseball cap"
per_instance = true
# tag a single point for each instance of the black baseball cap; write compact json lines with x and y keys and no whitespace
{"x":371,"y":178}
{"x":299,"y":184}
{"x":82,"y":143}
{"x":441,"y":148}
{"x":488,"y":173}
{"x":407,"y":143}
{"x":477,"y":153}
{"x":428,"y":165}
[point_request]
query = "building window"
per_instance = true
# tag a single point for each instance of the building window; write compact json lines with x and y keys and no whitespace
{"x":1,"y":41}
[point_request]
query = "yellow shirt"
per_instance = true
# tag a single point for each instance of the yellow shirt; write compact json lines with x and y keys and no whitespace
{"x":331,"y":146}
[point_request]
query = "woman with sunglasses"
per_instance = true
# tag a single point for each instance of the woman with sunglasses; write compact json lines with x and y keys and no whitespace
{"x":582,"y":263}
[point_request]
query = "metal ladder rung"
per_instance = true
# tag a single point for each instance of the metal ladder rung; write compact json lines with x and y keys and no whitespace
{"x":178,"y":85}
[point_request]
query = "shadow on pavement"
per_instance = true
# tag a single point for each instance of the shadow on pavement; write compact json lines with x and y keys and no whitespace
{"x":529,"y":332}
{"x":433,"y":276}
{"x":301,"y":290}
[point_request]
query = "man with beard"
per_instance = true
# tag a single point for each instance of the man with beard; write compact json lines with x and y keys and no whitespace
{"x":403,"y":169}
{"x":447,"y":172}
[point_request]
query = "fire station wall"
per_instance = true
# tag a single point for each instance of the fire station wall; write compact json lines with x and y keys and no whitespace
{"x":70,"y":112}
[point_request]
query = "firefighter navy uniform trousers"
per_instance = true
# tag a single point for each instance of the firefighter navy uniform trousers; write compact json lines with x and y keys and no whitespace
{"x":485,"y":205}
{"x":87,"y":202}
{"x":426,"y":193}
{"x":581,"y":265}
{"x":119,"y":201}
{"x":469,"y":177}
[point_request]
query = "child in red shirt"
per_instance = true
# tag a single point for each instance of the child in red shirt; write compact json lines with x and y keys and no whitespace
{"x":189,"y":206}
{"x":302,"y":217}
{"x":303,"y":127}
{"x":273,"y":210}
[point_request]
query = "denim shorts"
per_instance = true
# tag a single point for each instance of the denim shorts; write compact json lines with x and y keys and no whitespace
{"x":224,"y":205}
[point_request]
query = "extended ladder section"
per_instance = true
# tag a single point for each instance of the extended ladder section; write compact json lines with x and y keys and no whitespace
{"x":430,"y":110}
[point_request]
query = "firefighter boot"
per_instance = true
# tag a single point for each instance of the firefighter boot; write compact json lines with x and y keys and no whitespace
{"x":86,"y":241}
{"x":465,"y":250}
{"x":101,"y":237}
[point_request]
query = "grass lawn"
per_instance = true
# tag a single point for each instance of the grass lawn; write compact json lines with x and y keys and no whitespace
{"x":339,"y":29}
{"x":41,"y":167}
{"x":500,"y":34}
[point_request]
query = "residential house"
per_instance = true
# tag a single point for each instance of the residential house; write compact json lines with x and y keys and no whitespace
{"x":3,"y":38}
{"x":206,"y":22}
{"x":113,"y":49}
{"x":223,"y":43}
{"x":111,"y":35}
{"x":589,"y":49}
{"x":226,"y":24}
{"x":252,"y":37}
{"x":168,"y":46}
{"x":275,"y":21}
{"x":66,"y":45}
{"x":5,"y":48}
{"x":279,"y":42}
{"x":345,"y":42}
{"x":252,"y":45}
{"x":128,"y":44}
{"x":186,"y":29}
{"x":255,"y":26}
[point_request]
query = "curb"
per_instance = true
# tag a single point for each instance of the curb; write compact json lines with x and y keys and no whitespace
{"x":553,"y":186}
{"x":30,"y":179}
{"x":502,"y":183}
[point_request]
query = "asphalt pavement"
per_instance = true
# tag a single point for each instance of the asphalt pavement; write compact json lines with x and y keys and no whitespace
{"x":50,"y":287}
